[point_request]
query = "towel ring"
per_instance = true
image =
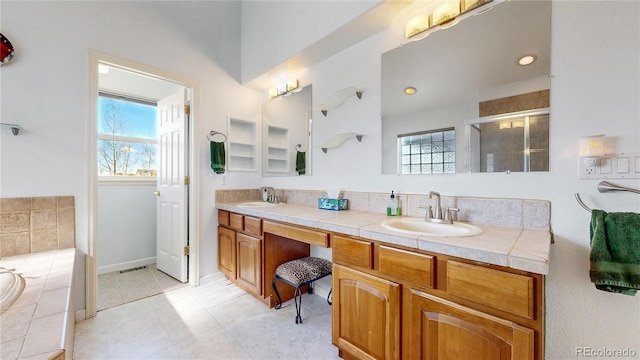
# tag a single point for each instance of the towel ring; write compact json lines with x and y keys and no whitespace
{"x":299,"y":148}
{"x":213,"y":133}
{"x":581,"y":203}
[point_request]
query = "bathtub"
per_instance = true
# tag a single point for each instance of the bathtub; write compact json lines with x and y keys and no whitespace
{"x":38,"y":308}
{"x":11,"y":287}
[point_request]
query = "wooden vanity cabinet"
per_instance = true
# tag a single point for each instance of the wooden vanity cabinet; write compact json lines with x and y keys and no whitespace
{"x":249,"y":263}
{"x":392,"y":303}
{"x":227,"y":252}
{"x":240,"y":250}
{"x":442,"y":329}
{"x":366,"y":315}
{"x":250,"y":249}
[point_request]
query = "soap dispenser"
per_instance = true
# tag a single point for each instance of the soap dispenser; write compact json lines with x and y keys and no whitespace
{"x":393,"y":206}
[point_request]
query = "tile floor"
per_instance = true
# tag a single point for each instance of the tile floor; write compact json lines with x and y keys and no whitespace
{"x":216,"y":320}
{"x":117,"y":288}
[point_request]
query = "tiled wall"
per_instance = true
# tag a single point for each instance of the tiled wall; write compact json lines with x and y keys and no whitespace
{"x":529,"y":101}
{"x":34,"y":224}
{"x":514,"y":213}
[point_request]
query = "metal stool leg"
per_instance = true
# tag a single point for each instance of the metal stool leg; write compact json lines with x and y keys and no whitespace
{"x":275,"y":288}
{"x":298,"y":295}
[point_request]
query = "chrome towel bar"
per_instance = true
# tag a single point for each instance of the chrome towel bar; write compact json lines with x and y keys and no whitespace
{"x":605,"y":186}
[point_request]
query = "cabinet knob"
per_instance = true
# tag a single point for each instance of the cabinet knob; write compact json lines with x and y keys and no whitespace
{"x":157,"y":193}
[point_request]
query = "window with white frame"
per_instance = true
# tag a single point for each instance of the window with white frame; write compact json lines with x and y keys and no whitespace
{"x":127,"y":137}
{"x":428,"y":152}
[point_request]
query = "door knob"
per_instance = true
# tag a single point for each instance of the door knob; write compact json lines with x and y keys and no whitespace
{"x":157,"y":193}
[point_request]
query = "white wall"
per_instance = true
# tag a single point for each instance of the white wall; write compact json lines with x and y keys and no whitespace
{"x":273,"y":31}
{"x":44,"y":90}
{"x":126,"y":226}
{"x":595,"y":60}
{"x":596,"y":89}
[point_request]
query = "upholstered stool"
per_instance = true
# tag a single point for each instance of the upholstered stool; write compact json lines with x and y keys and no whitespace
{"x":298,"y":273}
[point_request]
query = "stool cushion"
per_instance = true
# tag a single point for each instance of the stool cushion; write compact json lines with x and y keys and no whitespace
{"x":303,"y":270}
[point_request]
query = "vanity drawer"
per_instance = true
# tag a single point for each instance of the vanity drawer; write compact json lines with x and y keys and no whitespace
{"x":223,"y":217}
{"x":253,"y":225}
{"x":311,"y":237}
{"x":236,"y":221}
{"x":418,"y":268}
{"x":351,"y":251}
{"x":501,"y":290}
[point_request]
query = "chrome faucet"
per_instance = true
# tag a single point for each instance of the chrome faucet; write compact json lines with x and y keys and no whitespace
{"x":434,"y":214}
{"x":437,"y":212}
{"x":269,"y":192}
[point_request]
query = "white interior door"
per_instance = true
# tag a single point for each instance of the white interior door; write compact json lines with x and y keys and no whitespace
{"x":172,"y":186}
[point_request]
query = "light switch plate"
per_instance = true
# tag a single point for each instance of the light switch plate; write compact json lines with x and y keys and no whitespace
{"x":611,"y":166}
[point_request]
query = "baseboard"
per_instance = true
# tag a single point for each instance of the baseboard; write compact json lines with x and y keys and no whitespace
{"x":322,"y":287}
{"x":126,"y":265}
{"x":81,"y":315}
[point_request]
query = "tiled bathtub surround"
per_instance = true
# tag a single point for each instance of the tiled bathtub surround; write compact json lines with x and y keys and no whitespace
{"x":40,"y":324}
{"x":34,"y":224}
{"x":513,"y":213}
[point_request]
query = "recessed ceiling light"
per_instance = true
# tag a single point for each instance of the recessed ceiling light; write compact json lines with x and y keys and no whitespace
{"x":526,"y":60}
{"x":410,"y":90}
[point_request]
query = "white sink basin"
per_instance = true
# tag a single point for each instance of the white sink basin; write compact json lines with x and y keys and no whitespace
{"x":250,"y":204}
{"x":420,"y":227}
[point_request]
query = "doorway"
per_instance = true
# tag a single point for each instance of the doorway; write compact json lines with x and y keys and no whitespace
{"x":128,"y":173}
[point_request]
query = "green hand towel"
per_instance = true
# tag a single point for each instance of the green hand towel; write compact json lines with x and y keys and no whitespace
{"x":301,"y":162}
{"x":218,"y":157}
{"x":615,"y":251}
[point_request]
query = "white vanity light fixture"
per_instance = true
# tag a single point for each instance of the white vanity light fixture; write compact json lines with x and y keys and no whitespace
{"x":443,"y":14}
{"x":527,"y":59}
{"x":416,"y":25}
{"x":285,"y":89}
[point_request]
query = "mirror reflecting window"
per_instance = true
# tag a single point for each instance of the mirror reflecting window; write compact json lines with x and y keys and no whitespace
{"x":286,"y":135}
{"x":449,"y":75}
{"x":428,"y":152}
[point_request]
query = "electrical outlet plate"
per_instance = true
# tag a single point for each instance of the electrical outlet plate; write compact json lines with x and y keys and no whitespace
{"x":610,"y":166}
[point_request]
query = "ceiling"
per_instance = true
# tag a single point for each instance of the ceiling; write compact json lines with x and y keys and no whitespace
{"x":478,"y":53}
{"x":123,"y":82}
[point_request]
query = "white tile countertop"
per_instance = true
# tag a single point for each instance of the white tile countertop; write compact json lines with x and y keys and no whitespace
{"x":517,"y":248}
{"x":40,"y":324}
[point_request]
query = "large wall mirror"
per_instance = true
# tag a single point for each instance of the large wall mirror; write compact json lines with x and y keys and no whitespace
{"x":286,"y":135}
{"x":454,"y":72}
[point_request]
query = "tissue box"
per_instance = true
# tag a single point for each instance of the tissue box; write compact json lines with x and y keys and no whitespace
{"x":332,"y":204}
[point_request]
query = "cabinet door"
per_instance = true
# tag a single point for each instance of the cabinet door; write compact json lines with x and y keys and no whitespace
{"x":366,"y":315}
{"x":441,"y":329}
{"x":249,"y":263}
{"x":227,"y":252}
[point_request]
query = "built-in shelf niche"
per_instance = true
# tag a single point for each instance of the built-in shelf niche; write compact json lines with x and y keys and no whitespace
{"x":277,"y":147}
{"x":242,"y":145}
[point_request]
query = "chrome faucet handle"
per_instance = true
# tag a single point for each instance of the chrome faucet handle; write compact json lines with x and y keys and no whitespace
{"x":428,"y":213}
{"x":448,"y":216}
